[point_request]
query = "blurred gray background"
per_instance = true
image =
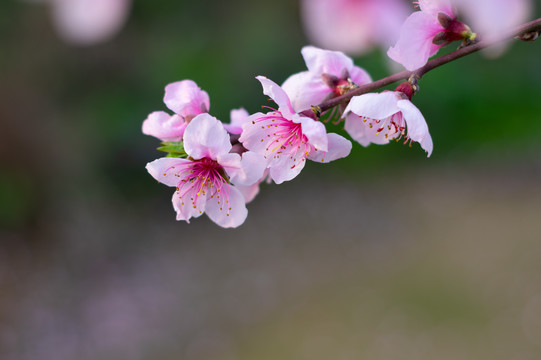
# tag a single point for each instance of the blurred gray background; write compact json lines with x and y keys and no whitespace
{"x":383,"y":255}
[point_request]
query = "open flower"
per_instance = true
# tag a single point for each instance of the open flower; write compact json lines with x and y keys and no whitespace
{"x":353,"y":26}
{"x":330,"y":73}
{"x":425,"y":32}
{"x":286,"y":139}
{"x":390,"y":115}
{"x":187,"y":100}
{"x":204,"y":181}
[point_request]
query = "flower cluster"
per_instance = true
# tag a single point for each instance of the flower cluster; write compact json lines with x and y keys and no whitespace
{"x":217,"y":168}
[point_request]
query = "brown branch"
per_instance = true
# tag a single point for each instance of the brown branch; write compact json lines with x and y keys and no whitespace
{"x":532,"y":26}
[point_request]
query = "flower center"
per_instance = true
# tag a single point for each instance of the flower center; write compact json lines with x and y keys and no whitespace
{"x":201,"y":178}
{"x":392,"y":127}
{"x":283,"y":138}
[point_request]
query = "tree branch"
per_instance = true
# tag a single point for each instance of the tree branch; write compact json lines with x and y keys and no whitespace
{"x":524,"y":29}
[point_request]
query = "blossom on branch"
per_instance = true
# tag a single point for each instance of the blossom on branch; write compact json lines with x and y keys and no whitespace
{"x":330,"y":74}
{"x":187,"y":100}
{"x":381,"y":117}
{"x":204,"y":181}
{"x":425,"y":32}
{"x":286,"y":138}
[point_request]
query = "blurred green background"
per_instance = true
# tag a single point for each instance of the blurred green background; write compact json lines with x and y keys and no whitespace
{"x":383,"y":255}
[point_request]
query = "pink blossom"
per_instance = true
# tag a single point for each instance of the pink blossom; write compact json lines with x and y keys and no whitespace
{"x":425,"y":32}
{"x":286,"y":139}
{"x":380,"y":118}
{"x":204,"y":180}
{"x":88,"y":22}
{"x":330,"y":73}
{"x":493,"y":18}
{"x":187,"y":100}
{"x":353,"y":26}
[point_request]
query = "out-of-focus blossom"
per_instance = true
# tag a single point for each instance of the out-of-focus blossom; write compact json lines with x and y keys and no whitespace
{"x":381,"y":117}
{"x":204,"y":181}
{"x":286,"y":138}
{"x":353,"y":26}
{"x":89,"y":22}
{"x":330,"y":73}
{"x":187,"y":100}
{"x":425,"y":32}
{"x":491,"y":19}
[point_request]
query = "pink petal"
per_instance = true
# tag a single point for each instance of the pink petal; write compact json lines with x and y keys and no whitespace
{"x":315,"y":132}
{"x":230,"y":213}
{"x":374,"y":105}
{"x":164,"y":126}
{"x":415,"y":46}
{"x":88,"y":22}
{"x":163,"y":170}
{"x":416,"y":125}
{"x":278,"y":95}
{"x":305,"y":89}
{"x":246,"y":170}
{"x":339,"y":147}
{"x":287,"y":167}
{"x":319,"y":61}
{"x":249,"y":192}
{"x":186,"y":98}
{"x":185,"y":208}
{"x":205,"y":136}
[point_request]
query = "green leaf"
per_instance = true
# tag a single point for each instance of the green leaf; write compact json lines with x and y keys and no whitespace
{"x":173,"y":148}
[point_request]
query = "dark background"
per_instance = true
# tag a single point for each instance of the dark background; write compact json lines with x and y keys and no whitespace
{"x":383,"y":255}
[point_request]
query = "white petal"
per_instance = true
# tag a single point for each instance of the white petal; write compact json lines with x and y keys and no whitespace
{"x":416,"y":125}
{"x":361,"y":132}
{"x":374,"y":105}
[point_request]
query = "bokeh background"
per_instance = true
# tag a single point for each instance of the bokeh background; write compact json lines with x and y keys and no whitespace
{"x":383,"y":255}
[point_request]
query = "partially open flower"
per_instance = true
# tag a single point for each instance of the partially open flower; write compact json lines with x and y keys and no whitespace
{"x":381,"y":117}
{"x":187,"y":100}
